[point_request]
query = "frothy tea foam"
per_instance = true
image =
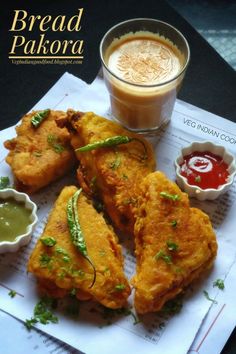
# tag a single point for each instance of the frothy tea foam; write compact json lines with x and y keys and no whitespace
{"x":144,"y":61}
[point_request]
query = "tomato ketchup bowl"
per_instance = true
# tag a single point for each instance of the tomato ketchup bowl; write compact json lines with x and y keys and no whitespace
{"x":205,"y":170}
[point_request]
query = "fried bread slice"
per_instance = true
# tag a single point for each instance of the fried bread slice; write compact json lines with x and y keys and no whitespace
{"x":111,"y":172}
{"x":61,"y":268}
{"x":175,"y":243}
{"x":39,"y":155}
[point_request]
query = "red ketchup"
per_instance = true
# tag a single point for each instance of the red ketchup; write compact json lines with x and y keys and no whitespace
{"x":204,"y":169}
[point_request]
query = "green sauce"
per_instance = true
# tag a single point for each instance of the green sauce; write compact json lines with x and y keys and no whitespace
{"x":14,"y":219}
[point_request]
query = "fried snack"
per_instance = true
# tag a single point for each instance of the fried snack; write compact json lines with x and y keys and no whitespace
{"x":39,"y":155}
{"x":61,"y":268}
{"x":175,"y":244}
{"x":111,"y":172}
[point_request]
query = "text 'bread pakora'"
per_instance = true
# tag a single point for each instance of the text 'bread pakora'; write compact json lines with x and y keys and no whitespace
{"x":41,"y":152}
{"x":175,"y":244}
{"x":61,"y":267}
{"x":111,"y":170}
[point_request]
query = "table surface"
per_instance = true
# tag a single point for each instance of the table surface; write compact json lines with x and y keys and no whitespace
{"x":210,"y":82}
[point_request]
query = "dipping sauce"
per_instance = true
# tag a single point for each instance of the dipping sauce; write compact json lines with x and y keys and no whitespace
{"x":14,"y":219}
{"x":204,"y":169}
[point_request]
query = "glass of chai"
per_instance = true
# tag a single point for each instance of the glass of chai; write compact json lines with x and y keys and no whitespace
{"x":144,"y":62}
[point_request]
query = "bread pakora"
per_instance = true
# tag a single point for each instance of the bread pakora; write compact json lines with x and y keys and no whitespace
{"x":39,"y":155}
{"x":111,"y":172}
{"x":175,"y":244}
{"x":61,"y":267}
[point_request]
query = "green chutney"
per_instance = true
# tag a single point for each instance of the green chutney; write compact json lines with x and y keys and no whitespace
{"x":14,"y":219}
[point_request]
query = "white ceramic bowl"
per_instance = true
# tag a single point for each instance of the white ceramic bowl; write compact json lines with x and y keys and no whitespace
{"x":195,"y":191}
{"x":21,"y":240}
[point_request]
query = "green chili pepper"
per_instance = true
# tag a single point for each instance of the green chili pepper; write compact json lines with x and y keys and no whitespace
{"x":109,"y":142}
{"x":76,"y":233}
{"x":38,"y":117}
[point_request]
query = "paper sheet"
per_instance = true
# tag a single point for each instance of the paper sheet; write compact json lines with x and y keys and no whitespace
{"x":154,"y":334}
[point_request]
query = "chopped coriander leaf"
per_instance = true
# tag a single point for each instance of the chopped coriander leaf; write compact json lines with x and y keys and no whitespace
{"x":45,"y":260}
{"x":198,"y":179}
{"x":78,"y":272}
{"x":48,"y":241}
{"x":55,"y":143}
{"x":37,"y":153}
{"x":102,"y":252}
{"x":119,"y":287}
{"x":4,"y":182}
{"x":12,"y":293}
{"x":172,"y":246}
{"x":73,"y":292}
{"x":29,"y":323}
{"x":66,"y":259}
{"x":172,"y":307}
{"x":116,"y":163}
{"x":174,"y":223}
{"x":164,"y":256}
{"x":58,"y":148}
{"x":219,"y":283}
{"x":42,"y":313}
{"x":61,"y":250}
{"x":124,"y":176}
{"x":167,"y":195}
{"x":208,"y":297}
{"x":129,"y":201}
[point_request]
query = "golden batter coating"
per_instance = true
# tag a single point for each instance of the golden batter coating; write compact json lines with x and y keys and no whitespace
{"x":61,"y":268}
{"x":39,"y":155}
{"x":175,"y":244}
{"x":111,"y":172}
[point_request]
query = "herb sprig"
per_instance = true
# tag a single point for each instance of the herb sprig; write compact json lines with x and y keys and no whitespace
{"x":42,"y":313}
{"x":219,"y":283}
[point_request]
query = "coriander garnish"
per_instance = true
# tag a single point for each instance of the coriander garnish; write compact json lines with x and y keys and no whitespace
{"x":37,"y":153}
{"x":172,"y":246}
{"x":119,"y":287}
{"x":4,"y":182}
{"x":124,"y":176}
{"x":164,"y":256}
{"x":173,"y":306}
{"x":116,"y":163}
{"x":38,"y":117}
{"x":12,"y":293}
{"x":48,"y":241}
{"x":219,"y":283}
{"x":167,"y":195}
{"x":45,"y":260}
{"x":174,"y":223}
{"x":198,"y":179}
{"x":208,"y":297}
{"x":55,"y":143}
{"x":42,"y":313}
